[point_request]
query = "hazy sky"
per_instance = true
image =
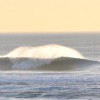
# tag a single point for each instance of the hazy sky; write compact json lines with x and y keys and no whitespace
{"x":49,"y":15}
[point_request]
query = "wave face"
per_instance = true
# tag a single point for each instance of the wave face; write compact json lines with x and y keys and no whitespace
{"x":58,"y":64}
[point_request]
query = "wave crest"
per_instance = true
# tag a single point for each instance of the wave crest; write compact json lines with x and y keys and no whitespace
{"x":45,"y":52}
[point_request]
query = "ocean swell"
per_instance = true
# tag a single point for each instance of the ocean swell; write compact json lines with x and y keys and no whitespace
{"x":47,"y":58}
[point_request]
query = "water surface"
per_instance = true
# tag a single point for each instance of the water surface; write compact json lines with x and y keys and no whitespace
{"x":51,"y":86}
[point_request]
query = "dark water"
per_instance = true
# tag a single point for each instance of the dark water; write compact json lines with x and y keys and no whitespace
{"x":51,"y":86}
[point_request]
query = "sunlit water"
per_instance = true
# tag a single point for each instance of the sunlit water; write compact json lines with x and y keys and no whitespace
{"x":51,"y":86}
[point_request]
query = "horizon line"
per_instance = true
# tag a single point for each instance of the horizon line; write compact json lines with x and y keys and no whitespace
{"x":85,"y":32}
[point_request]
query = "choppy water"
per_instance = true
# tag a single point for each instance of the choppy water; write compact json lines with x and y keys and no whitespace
{"x":51,"y":86}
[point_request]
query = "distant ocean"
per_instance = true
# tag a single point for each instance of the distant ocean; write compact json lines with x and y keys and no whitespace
{"x":30,"y":85}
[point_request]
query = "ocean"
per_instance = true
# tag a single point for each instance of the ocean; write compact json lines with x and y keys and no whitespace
{"x":53,"y":85}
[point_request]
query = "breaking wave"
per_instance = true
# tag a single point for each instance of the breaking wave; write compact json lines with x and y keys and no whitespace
{"x":47,"y":58}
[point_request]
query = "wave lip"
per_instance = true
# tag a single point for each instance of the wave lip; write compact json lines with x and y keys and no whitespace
{"x":44,"y":52}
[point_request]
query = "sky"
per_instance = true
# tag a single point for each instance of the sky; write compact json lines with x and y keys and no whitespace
{"x":49,"y":15}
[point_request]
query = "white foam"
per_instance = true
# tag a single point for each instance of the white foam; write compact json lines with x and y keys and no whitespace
{"x":45,"y":52}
